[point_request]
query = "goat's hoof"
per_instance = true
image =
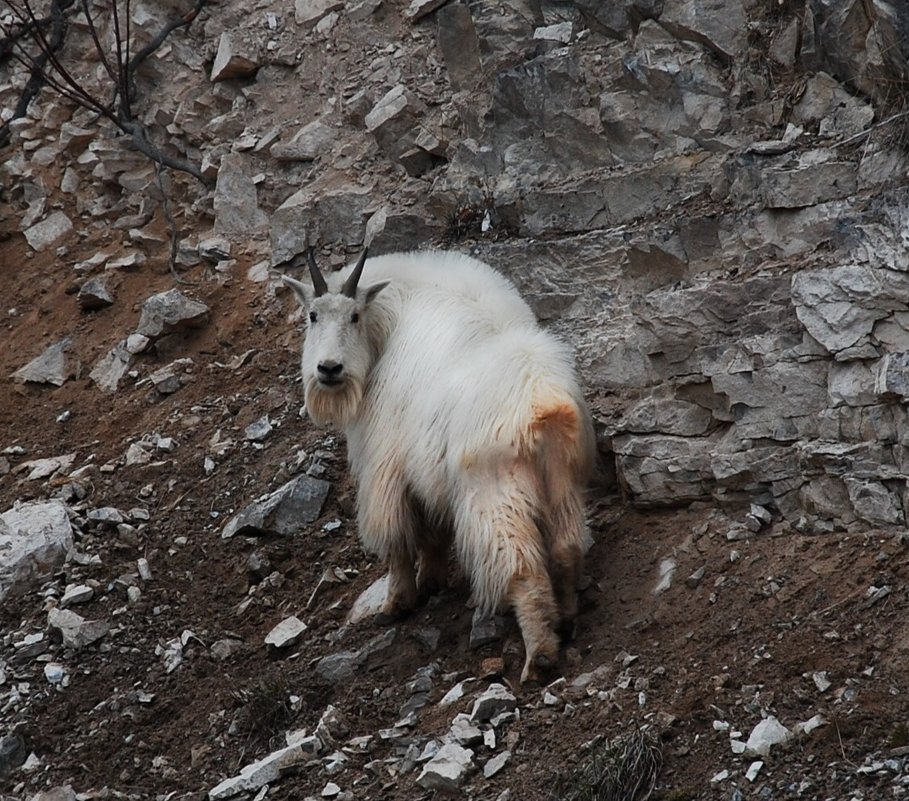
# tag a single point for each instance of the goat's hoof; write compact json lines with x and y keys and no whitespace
{"x":392,"y":615}
{"x":538,"y":670}
{"x":387,"y":618}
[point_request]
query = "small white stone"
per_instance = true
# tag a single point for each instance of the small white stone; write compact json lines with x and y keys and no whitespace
{"x":133,"y":594}
{"x":496,"y":764}
{"x":821,"y":681}
{"x":560,"y":32}
{"x":259,"y":430}
{"x":768,"y":733}
{"x":810,"y":725}
{"x":144,"y":570}
{"x":137,"y":343}
{"x":719,"y":777}
{"x":370,"y":603}
{"x":54,"y":673}
{"x":667,"y":571}
{"x":330,"y":790}
{"x":286,"y":633}
{"x":494,"y":701}
{"x":448,"y":769}
{"x":76,"y":594}
{"x":753,"y":769}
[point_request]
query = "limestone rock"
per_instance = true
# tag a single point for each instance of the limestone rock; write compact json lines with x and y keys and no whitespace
{"x":840,"y":305}
{"x":668,"y":416}
{"x":94,"y":295}
{"x":362,"y":9}
{"x":784,"y":48}
{"x":339,"y":667}
{"x":862,"y":42}
{"x":720,"y":25}
{"x":76,"y":631}
{"x":62,"y":793}
{"x":448,"y":769}
{"x":13,"y":753}
{"x":463,"y":732}
{"x":420,"y":8}
{"x":49,"y":231}
{"x":560,"y":32}
{"x":55,"y":366}
{"x":660,"y":469}
{"x":110,"y":369}
{"x":495,"y":700}
{"x":34,"y":540}
{"x":232,"y":60}
{"x":284,"y":512}
{"x":237,"y":212}
{"x":263,"y":771}
{"x":460,"y":46}
{"x":286,"y":633}
{"x":258,"y":430}
{"x":619,"y":18}
{"x":170,"y":312}
{"x":494,"y":765}
{"x":827,"y":104}
{"x":76,"y":594}
{"x":45,"y":468}
{"x":873,"y":502}
{"x":808,"y":184}
{"x":310,"y":142}
{"x":393,"y":119}
{"x":309,"y":12}
{"x":891,"y":376}
{"x":369,"y":603}
{"x":767,"y":734}
{"x":329,"y":210}
{"x":172,"y":377}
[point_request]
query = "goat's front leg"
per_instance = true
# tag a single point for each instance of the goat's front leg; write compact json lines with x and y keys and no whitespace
{"x":402,"y":587}
{"x":388,"y":528}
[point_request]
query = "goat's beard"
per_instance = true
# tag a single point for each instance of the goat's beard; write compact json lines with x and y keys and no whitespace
{"x":333,"y":406}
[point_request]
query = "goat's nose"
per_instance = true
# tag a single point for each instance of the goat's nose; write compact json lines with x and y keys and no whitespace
{"x":330,"y":369}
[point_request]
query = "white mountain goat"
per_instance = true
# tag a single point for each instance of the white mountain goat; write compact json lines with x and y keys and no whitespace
{"x":464,"y":421}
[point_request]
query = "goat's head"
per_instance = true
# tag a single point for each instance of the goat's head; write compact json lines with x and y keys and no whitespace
{"x":337,"y":355}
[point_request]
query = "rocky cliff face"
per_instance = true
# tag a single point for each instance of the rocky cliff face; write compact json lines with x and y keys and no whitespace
{"x":703,"y":196}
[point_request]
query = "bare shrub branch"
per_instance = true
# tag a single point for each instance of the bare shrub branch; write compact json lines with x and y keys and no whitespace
{"x":46,"y":68}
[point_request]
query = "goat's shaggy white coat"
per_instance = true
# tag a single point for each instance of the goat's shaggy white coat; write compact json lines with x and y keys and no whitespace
{"x":463,"y":419}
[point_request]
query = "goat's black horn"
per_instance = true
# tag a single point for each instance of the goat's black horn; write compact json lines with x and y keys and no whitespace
{"x":318,"y":281}
{"x":350,"y":285}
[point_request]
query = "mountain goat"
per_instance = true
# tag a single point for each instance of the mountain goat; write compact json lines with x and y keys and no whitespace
{"x":464,"y":421}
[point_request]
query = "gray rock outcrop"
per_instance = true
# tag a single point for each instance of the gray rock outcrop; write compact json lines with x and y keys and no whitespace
{"x":34,"y":540}
{"x":283,"y":512}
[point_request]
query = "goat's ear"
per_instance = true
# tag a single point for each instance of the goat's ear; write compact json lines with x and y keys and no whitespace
{"x":304,"y":292}
{"x":375,"y":289}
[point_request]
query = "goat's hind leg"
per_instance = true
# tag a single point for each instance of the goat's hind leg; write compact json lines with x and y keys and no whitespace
{"x":530,"y":595}
{"x":502,"y":549}
{"x":568,"y":542}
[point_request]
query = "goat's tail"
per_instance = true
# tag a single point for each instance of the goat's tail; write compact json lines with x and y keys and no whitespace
{"x":561,"y":441}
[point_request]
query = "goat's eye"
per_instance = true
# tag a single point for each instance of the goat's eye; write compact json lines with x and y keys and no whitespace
{"x":354,"y":317}
{"x":313,"y":317}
